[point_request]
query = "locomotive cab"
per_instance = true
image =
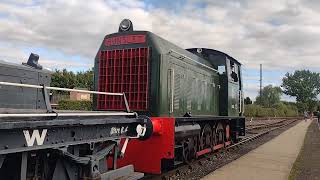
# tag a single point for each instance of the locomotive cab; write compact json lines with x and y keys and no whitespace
{"x":230,"y":80}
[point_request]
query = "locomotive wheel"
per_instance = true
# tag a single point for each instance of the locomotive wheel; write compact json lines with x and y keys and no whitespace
{"x":228,"y":133}
{"x":220,"y":135}
{"x":196,"y":144}
{"x":189,"y":150}
{"x":206,"y":139}
{"x":185,"y":152}
{"x":214,"y":136}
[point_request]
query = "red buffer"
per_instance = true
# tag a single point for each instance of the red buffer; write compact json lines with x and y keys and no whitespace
{"x":147,"y":155}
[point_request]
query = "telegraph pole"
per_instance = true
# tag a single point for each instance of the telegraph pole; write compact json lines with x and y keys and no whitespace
{"x":260,"y":83}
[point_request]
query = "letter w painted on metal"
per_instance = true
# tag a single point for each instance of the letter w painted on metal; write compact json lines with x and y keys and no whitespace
{"x":35,"y":137}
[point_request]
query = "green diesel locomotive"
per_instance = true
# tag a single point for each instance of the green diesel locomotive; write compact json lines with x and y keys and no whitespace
{"x":193,"y":96}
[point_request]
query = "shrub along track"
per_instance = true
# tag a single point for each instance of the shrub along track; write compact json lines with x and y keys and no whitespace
{"x":208,"y":163}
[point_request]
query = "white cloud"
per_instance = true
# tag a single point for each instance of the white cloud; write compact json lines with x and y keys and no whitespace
{"x":282,"y":35}
{"x":270,"y":32}
{"x":17,"y":56}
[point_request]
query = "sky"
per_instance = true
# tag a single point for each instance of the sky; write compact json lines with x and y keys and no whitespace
{"x":282,"y":35}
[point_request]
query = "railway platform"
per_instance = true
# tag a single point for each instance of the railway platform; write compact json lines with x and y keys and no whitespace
{"x":272,"y":160}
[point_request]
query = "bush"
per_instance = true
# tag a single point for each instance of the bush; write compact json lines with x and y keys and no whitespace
{"x":75,"y":105}
{"x":250,"y":110}
{"x":277,"y":110}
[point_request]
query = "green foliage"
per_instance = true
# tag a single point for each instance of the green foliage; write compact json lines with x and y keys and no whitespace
{"x":69,"y":79}
{"x":305,"y":86}
{"x":247,"y":100}
{"x":269,"y":96}
{"x":277,"y":110}
{"x":75,"y":105}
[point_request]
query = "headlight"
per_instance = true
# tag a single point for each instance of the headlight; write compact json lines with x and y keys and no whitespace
{"x":125,"y":25}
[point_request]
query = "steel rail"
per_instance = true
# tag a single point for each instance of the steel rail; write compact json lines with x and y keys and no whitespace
{"x":263,"y":126}
{"x":250,"y":138}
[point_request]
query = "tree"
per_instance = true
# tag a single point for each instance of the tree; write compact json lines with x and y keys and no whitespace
{"x":63,"y":78}
{"x":85,"y":80}
{"x":270,"y":95}
{"x":69,"y":79}
{"x":247,"y":100}
{"x":305,"y":86}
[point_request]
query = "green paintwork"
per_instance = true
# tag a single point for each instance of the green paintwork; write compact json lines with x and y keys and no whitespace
{"x":181,"y":81}
{"x":194,"y":87}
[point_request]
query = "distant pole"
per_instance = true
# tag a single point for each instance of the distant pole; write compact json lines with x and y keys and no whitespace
{"x":260,"y":83}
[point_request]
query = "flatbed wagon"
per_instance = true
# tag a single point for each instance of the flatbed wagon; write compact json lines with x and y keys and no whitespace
{"x":37,"y":142}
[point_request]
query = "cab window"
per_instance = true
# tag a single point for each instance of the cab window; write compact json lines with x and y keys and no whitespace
{"x":234,"y":72}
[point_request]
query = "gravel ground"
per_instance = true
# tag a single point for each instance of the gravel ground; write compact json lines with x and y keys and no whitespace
{"x":307,"y":164}
{"x":197,"y":171}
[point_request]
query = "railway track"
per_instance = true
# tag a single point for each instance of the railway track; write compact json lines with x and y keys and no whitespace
{"x":258,"y":131}
{"x":256,"y":127}
{"x":274,"y":126}
{"x":267,"y":123}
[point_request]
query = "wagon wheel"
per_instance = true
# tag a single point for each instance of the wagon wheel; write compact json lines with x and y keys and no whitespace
{"x":206,"y":139}
{"x":220,"y":135}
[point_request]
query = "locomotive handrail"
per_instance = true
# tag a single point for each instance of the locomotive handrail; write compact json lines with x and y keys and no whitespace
{"x":240,"y":103}
{"x":67,"y":114}
{"x":45,"y":88}
{"x":59,"y":89}
{"x":183,"y":56}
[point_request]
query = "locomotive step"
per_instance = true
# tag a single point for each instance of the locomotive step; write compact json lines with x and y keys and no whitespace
{"x":177,"y":163}
{"x":125,"y":173}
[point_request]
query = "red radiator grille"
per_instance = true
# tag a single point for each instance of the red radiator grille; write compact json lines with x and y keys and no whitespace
{"x":127,"y":71}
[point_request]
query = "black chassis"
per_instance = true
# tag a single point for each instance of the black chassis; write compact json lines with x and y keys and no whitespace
{"x":237,"y":123}
{"x":62,"y":148}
